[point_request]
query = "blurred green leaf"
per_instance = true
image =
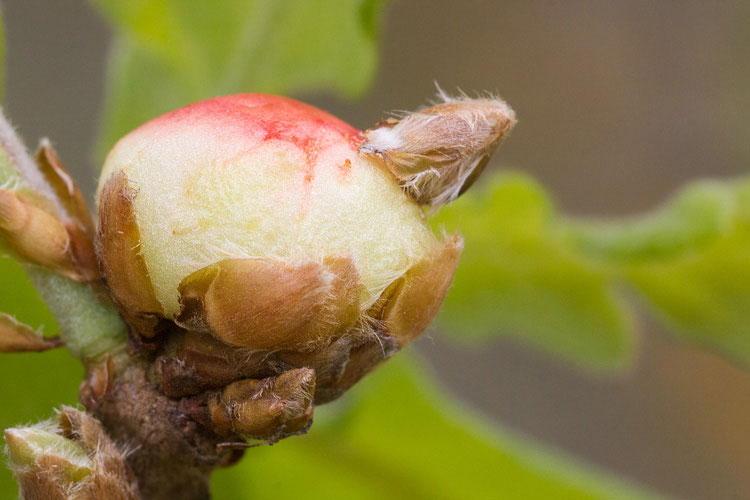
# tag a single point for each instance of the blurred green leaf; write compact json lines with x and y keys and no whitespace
{"x":169,"y":53}
{"x":698,"y":215}
{"x":519,"y":276}
{"x":404,"y":440}
{"x":689,"y":261}
{"x":557,"y":282}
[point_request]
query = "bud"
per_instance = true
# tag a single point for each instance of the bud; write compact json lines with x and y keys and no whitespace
{"x":437,"y":153}
{"x":72,"y":459}
{"x":249,"y":236}
{"x":267,"y":409}
{"x":33,"y":233}
{"x":53,"y":233}
{"x":27,"y":446}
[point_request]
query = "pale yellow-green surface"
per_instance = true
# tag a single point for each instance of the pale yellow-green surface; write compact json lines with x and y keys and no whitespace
{"x":26,"y":444}
{"x":201,"y":198}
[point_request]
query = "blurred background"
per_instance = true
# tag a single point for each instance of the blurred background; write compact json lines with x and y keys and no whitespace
{"x":619,"y":104}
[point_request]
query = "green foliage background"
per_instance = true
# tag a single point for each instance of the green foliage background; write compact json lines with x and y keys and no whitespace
{"x":560,"y":283}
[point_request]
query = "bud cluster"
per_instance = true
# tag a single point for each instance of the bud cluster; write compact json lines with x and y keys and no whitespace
{"x":269,"y":255}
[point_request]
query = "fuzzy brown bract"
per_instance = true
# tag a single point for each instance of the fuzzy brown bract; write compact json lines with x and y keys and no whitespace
{"x":437,"y":153}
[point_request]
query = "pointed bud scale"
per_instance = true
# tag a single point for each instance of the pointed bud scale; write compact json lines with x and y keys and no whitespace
{"x":17,"y":337}
{"x":438,"y":152}
{"x":271,"y":303}
{"x":64,"y":186}
{"x":123,"y":266}
{"x":421,"y":291}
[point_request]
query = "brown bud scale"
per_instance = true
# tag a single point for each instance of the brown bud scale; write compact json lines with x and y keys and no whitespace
{"x":122,"y":265}
{"x":17,"y":337}
{"x":438,"y":152}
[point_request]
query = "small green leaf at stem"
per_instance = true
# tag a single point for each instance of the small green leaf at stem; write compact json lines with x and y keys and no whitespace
{"x":689,"y":261}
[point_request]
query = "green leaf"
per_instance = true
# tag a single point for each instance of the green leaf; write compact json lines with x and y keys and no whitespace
{"x":701,"y":213}
{"x":557,"y":282}
{"x":689,"y":261}
{"x":172,"y":52}
{"x":403,"y":440}
{"x":520,"y":276}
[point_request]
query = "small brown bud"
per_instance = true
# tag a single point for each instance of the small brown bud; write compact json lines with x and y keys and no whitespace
{"x":438,"y":152}
{"x":49,"y":225}
{"x":29,"y":228}
{"x":33,"y":233}
{"x":98,"y":382}
{"x":270,"y":408}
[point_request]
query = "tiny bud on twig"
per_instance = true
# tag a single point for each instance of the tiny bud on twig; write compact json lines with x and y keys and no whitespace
{"x":72,"y":459}
{"x":270,"y":408}
{"x":33,"y":233}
